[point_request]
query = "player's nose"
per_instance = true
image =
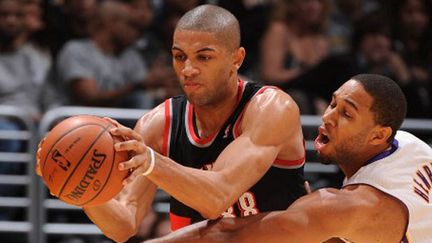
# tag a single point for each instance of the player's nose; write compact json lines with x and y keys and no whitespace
{"x":189,"y":69}
{"x":329,"y":117}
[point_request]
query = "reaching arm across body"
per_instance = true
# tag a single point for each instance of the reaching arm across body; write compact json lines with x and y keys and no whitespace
{"x":270,"y":128}
{"x":358,"y":213}
{"x":120,"y":217}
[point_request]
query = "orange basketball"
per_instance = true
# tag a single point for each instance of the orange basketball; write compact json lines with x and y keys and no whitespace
{"x":78,"y":162}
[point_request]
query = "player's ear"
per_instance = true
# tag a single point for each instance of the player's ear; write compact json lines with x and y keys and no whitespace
{"x":380,"y":135}
{"x":239,"y":56}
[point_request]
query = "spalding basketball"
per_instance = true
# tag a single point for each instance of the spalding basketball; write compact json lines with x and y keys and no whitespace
{"x":78,"y":162}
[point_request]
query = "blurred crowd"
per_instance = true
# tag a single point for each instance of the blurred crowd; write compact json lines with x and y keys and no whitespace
{"x":118,"y":53}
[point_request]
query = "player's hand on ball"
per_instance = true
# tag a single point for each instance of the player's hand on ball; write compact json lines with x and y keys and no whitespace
{"x":37,"y":168}
{"x":137,"y":149}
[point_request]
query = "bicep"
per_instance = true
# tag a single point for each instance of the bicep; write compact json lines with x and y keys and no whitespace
{"x":265,"y":130}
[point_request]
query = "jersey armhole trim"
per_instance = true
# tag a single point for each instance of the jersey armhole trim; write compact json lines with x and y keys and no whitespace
{"x":167,"y":128}
{"x":178,"y":222}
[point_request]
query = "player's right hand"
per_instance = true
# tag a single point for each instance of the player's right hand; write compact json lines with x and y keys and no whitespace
{"x":38,"y":169}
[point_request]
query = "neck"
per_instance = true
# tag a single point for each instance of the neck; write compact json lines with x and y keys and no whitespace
{"x":351,"y":167}
{"x":211,"y":119}
{"x":104,"y":43}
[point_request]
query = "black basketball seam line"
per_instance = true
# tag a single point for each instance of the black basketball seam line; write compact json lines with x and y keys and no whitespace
{"x":106,"y":181}
{"x":73,"y":129}
{"x":79,"y":162}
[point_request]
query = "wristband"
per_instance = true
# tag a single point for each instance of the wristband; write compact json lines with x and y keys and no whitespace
{"x":152,"y":163}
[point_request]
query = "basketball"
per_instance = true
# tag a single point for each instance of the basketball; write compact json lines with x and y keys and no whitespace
{"x":78,"y":162}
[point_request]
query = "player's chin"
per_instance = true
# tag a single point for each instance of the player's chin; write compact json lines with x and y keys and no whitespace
{"x":325,"y":158}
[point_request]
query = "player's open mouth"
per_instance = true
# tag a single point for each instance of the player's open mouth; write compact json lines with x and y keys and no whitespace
{"x":322,"y":139}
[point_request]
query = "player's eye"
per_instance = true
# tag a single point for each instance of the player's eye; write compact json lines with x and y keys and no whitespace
{"x":180,"y":57}
{"x":204,"y":57}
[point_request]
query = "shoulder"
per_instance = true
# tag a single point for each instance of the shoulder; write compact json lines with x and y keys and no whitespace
{"x":274,"y":109}
{"x":272,"y":100}
{"x":152,"y":126}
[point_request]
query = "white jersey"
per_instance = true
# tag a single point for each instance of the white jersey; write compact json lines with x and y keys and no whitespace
{"x":405,"y":174}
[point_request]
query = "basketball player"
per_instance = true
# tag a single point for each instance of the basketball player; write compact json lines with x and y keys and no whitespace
{"x":386,"y":193}
{"x":227,"y":148}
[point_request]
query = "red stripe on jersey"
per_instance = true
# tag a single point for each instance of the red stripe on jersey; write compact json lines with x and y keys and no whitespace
{"x":240,"y":90}
{"x":289,"y":163}
{"x":292,"y":163}
{"x":167,"y":127}
{"x":178,"y":222}
{"x":198,"y":140}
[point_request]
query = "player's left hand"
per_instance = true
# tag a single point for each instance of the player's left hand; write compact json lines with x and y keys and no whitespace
{"x":133,"y":144}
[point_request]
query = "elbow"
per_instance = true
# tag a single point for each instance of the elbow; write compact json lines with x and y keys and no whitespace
{"x":215,"y":208}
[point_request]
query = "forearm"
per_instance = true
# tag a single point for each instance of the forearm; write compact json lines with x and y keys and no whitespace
{"x":220,"y":230}
{"x":201,"y":190}
{"x":115,"y":220}
{"x":120,"y":218}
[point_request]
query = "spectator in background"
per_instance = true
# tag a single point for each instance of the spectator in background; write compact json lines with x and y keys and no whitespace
{"x":344,"y":14}
{"x":294,"y":42}
{"x":69,"y":20}
{"x":371,"y":52}
{"x":22,"y":74}
{"x":161,"y":77}
{"x":22,"y":77}
{"x":413,"y":38}
{"x":102,"y":70}
{"x":253,"y":18}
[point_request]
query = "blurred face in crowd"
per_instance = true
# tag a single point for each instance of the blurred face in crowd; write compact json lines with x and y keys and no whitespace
{"x":346,"y":125}
{"x":142,"y":11}
{"x":33,"y":17}
{"x":204,"y":66}
{"x":376,"y":48}
{"x":11,"y":24}
{"x":414,"y":17}
{"x":124,"y":30}
{"x":81,"y":9}
{"x":311,"y":11}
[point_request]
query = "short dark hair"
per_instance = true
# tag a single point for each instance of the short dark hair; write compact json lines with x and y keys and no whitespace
{"x":214,"y":19}
{"x":389,"y":103}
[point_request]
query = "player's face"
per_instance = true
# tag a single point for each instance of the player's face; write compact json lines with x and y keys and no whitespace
{"x":205,"y":68}
{"x":347,"y":124}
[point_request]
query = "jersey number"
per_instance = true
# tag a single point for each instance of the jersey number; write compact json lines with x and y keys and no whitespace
{"x":246,"y":204}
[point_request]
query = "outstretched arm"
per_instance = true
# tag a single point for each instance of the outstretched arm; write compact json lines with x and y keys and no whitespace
{"x":357,"y":213}
{"x":120,"y":218}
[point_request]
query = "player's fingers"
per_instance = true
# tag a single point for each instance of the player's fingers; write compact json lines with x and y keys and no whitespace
{"x":307,"y":187}
{"x":125,"y":132}
{"x":129,"y":179}
{"x":37,"y":167}
{"x":130,"y":145}
{"x":112,"y":121}
{"x":131,"y":164}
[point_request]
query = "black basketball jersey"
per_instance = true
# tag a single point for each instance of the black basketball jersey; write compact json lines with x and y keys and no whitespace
{"x":280,"y":186}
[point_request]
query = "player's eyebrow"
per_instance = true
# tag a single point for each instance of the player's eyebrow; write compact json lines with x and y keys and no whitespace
{"x":351,"y":103}
{"x":200,"y":50}
{"x":206,"y":49}
{"x":347,"y":100}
